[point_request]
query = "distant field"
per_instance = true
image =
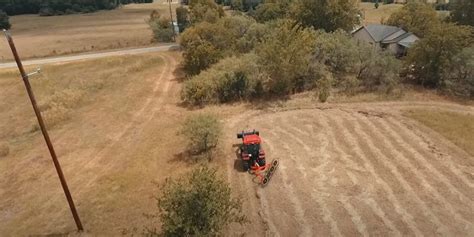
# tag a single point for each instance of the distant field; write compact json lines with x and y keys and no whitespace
{"x":37,"y":36}
{"x":457,"y":127}
{"x":373,"y":15}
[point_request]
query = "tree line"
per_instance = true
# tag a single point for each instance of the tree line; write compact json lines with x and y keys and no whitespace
{"x":59,"y":7}
{"x":288,"y":46}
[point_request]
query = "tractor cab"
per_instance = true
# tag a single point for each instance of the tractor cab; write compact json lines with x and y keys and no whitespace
{"x":251,"y":151}
{"x":253,"y":157}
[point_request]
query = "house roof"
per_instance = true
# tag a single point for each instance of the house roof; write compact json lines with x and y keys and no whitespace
{"x":389,"y":34}
{"x":408,"y":40}
{"x":380,"y":32}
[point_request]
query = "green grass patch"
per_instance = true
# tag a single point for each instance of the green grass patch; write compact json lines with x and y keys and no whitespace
{"x":457,"y":127}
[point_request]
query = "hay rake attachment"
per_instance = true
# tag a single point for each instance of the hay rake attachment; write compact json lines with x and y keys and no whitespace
{"x":265,"y":173}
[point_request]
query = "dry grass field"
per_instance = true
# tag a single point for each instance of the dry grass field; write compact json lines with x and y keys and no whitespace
{"x":346,"y":168}
{"x":114,"y":133}
{"x":37,"y":36}
{"x":372,"y":15}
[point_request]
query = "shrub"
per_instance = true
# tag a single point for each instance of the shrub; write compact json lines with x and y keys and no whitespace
{"x":380,"y":73}
{"x":198,"y":205}
{"x":162,"y":29}
{"x":416,"y":17}
{"x":326,"y":15}
{"x":286,"y":55}
{"x":206,"y":43}
{"x":46,"y":11}
{"x":270,"y":11}
{"x":4,"y":21}
{"x":4,"y":149}
{"x":204,"y":10}
{"x":231,"y":79}
{"x":182,"y":18}
{"x":202,"y":132}
{"x":430,"y":55}
{"x":458,"y":77}
{"x":356,"y":65}
{"x":324,"y":84}
{"x":462,"y":12}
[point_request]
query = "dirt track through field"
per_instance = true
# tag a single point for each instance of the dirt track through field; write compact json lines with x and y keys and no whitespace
{"x":359,"y":170}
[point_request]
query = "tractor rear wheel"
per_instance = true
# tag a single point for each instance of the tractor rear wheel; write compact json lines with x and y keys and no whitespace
{"x":245,"y":166}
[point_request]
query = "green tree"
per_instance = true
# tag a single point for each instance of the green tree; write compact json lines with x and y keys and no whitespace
{"x":4,"y":21}
{"x":432,"y":54}
{"x":204,"y":10}
{"x":162,"y":29}
{"x":286,"y":55}
{"x":182,"y":18}
{"x":329,"y":15}
{"x":198,"y":205}
{"x":458,"y":76}
{"x":462,"y":12}
{"x":232,"y":78}
{"x":202,"y":132}
{"x":416,"y":17}
{"x":271,"y":10}
{"x":206,"y":43}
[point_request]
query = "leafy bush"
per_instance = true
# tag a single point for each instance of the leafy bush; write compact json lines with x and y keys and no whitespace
{"x":202,"y":132}
{"x":204,"y":10}
{"x":4,"y":21}
{"x":286,"y":55}
{"x":269,"y":11}
{"x":324,"y":84}
{"x":198,"y":205}
{"x":182,"y":18}
{"x":356,"y":65}
{"x":326,"y":15}
{"x":229,"y":80}
{"x":462,"y":12}
{"x":162,"y":29}
{"x":458,"y":77}
{"x":430,"y":55}
{"x":206,"y":43}
{"x":416,"y":17}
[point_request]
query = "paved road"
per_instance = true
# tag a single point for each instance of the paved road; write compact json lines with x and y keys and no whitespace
{"x":90,"y":56}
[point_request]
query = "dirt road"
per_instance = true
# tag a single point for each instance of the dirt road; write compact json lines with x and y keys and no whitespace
{"x":64,"y":59}
{"x":358,"y":170}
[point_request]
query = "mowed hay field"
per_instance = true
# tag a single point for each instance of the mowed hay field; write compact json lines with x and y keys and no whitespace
{"x":37,"y":36}
{"x":356,"y":170}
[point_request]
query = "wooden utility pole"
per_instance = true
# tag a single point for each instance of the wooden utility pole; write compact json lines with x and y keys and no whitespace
{"x":24,"y":76}
{"x":172,"y":22}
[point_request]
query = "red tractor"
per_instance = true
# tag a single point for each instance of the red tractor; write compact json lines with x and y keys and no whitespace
{"x":253,"y":156}
{"x":251,"y":150}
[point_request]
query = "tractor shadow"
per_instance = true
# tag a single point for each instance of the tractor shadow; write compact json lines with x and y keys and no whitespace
{"x":238,"y":164}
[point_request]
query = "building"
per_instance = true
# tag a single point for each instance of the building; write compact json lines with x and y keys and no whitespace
{"x":385,"y":37}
